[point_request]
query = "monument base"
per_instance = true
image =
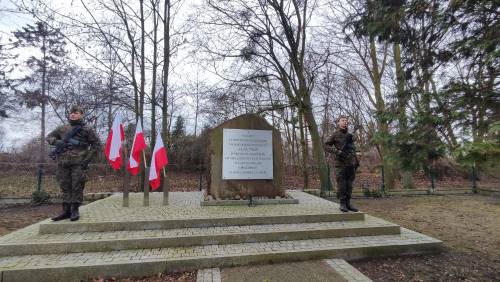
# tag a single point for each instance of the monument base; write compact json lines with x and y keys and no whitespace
{"x":258,"y":200}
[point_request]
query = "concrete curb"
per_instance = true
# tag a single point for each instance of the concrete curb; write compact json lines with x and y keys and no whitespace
{"x":208,"y":275}
{"x":347,"y":271}
{"x":89,"y":197}
{"x":488,"y":192}
{"x":331,"y":195}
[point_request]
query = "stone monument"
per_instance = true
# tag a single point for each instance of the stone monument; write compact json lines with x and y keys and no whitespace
{"x":245,"y":159}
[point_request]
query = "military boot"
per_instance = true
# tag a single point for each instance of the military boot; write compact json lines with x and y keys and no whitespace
{"x":66,"y":212}
{"x":350,"y":206}
{"x":343,"y":207}
{"x":75,"y":212}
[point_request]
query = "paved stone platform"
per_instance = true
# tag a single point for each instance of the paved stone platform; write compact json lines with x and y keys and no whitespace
{"x":184,"y":210}
{"x":186,"y":205}
{"x":73,"y":256}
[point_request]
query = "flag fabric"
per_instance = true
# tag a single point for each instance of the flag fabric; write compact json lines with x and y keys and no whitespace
{"x":158,"y":161}
{"x":138,"y":145}
{"x":113,"y":150}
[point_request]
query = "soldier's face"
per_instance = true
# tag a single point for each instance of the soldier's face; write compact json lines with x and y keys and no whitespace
{"x":342,"y":123}
{"x":75,"y":116}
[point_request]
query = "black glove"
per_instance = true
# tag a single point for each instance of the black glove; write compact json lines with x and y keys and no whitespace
{"x":342,"y":155}
{"x":85,"y":164}
{"x":74,"y":142}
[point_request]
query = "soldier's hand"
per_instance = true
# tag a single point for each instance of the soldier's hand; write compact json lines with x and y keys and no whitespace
{"x":85,"y":165}
{"x":74,"y":142}
{"x":342,"y":155}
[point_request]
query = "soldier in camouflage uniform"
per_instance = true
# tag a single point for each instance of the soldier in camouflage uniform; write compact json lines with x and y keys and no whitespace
{"x":341,"y":145}
{"x":73,"y":158}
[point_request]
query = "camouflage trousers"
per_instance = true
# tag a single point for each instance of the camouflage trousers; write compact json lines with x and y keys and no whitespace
{"x":71,"y":179}
{"x":345,"y":177}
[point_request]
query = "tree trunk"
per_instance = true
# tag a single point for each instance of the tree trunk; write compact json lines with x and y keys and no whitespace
{"x":303,"y":147}
{"x":43,"y":106}
{"x":406,"y":172}
{"x":143,"y":65}
{"x":383,"y":127}
{"x":166,"y":66}
{"x":317,"y":144}
{"x":153,"y":79}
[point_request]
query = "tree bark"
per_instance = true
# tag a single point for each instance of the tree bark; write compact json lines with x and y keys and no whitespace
{"x":383,"y":126}
{"x":303,"y":147}
{"x":405,"y":172}
{"x":166,"y":66}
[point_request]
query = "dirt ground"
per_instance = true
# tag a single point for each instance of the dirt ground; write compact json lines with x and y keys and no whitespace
{"x":469,"y":226}
{"x":19,"y":216}
{"x":314,"y":270}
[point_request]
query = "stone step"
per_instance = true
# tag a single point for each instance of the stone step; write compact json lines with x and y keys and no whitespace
{"x":47,"y":227}
{"x":28,"y":241}
{"x":142,"y":262}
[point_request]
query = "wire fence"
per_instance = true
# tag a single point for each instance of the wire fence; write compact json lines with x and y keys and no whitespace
{"x":18,"y":180}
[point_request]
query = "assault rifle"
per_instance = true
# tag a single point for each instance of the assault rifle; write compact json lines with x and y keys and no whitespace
{"x":68,"y":141}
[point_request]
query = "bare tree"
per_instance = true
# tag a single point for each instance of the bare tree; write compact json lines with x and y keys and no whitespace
{"x":272,"y":36}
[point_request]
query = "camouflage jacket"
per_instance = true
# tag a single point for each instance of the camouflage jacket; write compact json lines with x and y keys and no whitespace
{"x":86,"y":136}
{"x":339,"y":141}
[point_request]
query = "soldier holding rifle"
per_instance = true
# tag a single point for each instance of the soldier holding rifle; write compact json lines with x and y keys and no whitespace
{"x":341,"y":145}
{"x":75,"y":144}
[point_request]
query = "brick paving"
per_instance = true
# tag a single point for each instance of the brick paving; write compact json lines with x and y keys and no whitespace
{"x":407,"y":237}
{"x":186,"y":205}
{"x":31,"y":235}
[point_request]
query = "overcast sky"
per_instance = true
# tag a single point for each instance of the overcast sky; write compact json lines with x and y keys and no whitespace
{"x":25,"y":125}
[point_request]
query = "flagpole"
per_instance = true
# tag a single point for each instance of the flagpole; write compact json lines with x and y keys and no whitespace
{"x":165,"y":188}
{"x":145,"y":201}
{"x":126,"y":176}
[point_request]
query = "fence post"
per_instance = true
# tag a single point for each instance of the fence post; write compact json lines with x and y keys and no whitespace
{"x":328,"y":184}
{"x":200,"y":177}
{"x":39,"y":182}
{"x":433,"y":181}
{"x":382,"y":182}
{"x":474,"y":177}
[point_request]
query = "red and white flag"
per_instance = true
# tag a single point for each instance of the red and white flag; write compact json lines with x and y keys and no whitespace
{"x":138,"y":145}
{"x":113,"y":150}
{"x":158,"y":161}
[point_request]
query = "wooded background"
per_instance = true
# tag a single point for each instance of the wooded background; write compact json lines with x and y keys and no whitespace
{"x":419,"y":79}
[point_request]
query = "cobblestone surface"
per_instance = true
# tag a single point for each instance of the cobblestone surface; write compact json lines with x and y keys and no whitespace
{"x":186,"y":205}
{"x":347,"y":271}
{"x":407,"y":237}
